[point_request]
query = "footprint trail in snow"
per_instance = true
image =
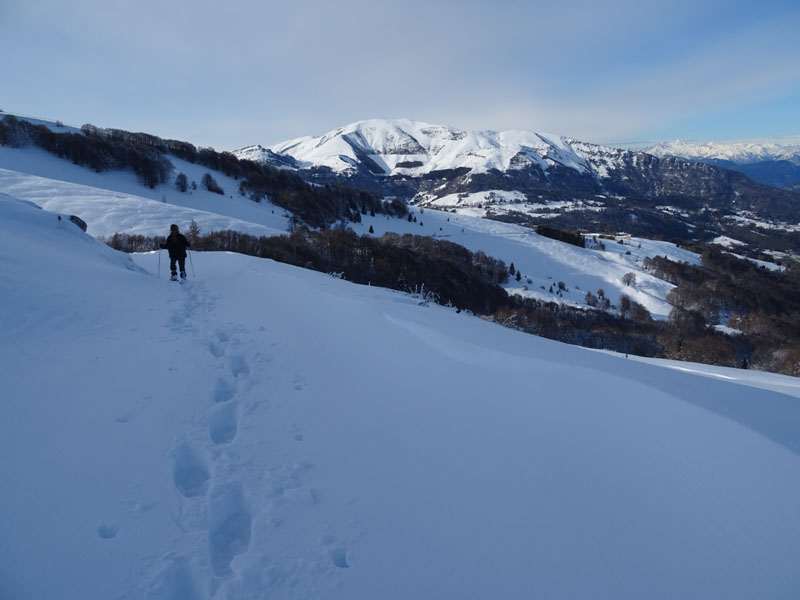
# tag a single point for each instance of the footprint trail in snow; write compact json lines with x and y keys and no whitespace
{"x":225,"y":503}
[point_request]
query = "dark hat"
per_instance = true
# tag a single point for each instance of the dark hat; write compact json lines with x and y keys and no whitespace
{"x":173,"y":227}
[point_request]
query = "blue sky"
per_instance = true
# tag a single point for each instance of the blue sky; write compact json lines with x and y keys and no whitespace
{"x":230,"y":74}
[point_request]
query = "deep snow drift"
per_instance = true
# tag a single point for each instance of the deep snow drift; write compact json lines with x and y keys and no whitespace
{"x":270,"y":432}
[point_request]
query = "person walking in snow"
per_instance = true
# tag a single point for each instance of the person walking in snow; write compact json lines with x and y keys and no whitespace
{"x":176,"y":244}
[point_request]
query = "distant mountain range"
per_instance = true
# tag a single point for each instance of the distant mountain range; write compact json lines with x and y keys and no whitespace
{"x":528,"y":177}
{"x":773,"y":162}
{"x":742,"y":153}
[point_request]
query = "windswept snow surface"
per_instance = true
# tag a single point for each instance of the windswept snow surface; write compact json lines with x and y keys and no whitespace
{"x":265,"y":431}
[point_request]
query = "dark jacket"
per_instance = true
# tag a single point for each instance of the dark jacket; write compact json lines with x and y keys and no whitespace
{"x":176,"y":245}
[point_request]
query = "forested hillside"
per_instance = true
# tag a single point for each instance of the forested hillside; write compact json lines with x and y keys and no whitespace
{"x":149,"y":157}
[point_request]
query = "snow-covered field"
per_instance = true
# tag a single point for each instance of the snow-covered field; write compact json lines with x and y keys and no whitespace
{"x":480,"y":204}
{"x":752,"y":222}
{"x":270,"y":432}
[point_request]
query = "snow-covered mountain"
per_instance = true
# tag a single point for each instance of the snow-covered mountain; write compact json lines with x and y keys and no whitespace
{"x":269,"y":431}
{"x":519,"y":176}
{"x":773,"y":162}
{"x":746,"y":152}
{"x":407,"y":148}
{"x":413,"y":148}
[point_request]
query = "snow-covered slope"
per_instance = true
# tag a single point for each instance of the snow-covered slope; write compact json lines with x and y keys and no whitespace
{"x":109,"y":212}
{"x":115,"y":201}
{"x":267,"y":431}
{"x":747,"y":152}
{"x":543,"y":262}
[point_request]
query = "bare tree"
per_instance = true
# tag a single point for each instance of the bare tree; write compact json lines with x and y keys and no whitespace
{"x":181,"y":182}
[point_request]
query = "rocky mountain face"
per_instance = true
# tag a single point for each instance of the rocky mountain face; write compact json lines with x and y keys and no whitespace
{"x":531,"y":177}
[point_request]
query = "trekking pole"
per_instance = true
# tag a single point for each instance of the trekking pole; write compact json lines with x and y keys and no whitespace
{"x":159,"y":264}
{"x":191,"y":262}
